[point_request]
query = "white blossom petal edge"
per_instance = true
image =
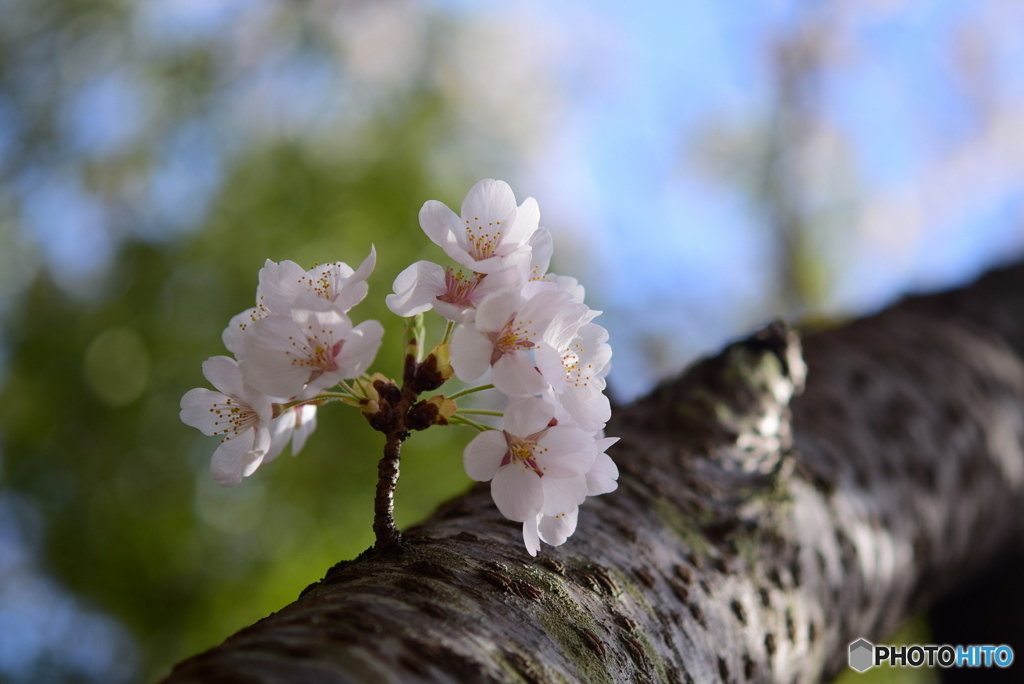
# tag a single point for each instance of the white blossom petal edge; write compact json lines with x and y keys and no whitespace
{"x":238,"y":413}
{"x":526,"y":459}
{"x":491,"y":235}
{"x":314,"y":348}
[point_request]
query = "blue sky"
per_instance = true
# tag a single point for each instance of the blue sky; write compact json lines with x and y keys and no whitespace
{"x":667,"y":237}
{"x":638,"y":91}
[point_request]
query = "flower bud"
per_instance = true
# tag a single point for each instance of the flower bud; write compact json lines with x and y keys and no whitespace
{"x":433,"y":411}
{"x":446,"y":408}
{"x":434,"y":370}
{"x":386,"y":389}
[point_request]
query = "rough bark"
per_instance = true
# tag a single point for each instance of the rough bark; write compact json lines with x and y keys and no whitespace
{"x":755,"y":533}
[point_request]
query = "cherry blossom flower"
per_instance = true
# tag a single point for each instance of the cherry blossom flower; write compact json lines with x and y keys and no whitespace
{"x":552,"y":529}
{"x":554,"y":526}
{"x":508,"y":327}
{"x":452,"y":293}
{"x":492,"y":233}
{"x":527,"y":330}
{"x":575,"y":372}
{"x":533,"y":467}
{"x":238,"y":413}
{"x":283,"y":285}
{"x":535,"y":270}
{"x":311,"y":349}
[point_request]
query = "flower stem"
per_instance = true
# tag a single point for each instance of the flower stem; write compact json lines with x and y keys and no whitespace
{"x":460,"y":420}
{"x":480,"y":412}
{"x":470,"y":390}
{"x":448,"y":332}
{"x":326,"y":396}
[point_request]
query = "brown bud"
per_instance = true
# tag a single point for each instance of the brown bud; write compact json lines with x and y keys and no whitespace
{"x":422,"y":415}
{"x":387,"y":389}
{"x":383,"y":419}
{"x":434,"y":370}
{"x":446,"y":408}
{"x":433,"y":411}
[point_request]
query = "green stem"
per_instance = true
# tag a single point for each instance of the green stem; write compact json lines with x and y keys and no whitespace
{"x":448,"y":332}
{"x":348,"y":388}
{"x":326,"y":396}
{"x":481,"y":412}
{"x":460,"y":420}
{"x":470,"y":390}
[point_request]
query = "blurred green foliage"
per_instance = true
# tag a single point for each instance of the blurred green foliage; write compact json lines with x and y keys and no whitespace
{"x":132,"y":521}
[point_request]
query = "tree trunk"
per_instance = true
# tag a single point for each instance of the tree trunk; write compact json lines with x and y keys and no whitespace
{"x":756,"y":531}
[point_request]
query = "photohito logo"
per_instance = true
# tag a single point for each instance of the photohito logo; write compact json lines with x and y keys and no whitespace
{"x":865,"y":655}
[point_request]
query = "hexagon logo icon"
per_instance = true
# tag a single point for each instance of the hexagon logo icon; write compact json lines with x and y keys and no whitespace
{"x":862,"y":654}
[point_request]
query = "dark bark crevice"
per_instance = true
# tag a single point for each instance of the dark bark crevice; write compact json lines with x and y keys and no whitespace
{"x":754,"y":535}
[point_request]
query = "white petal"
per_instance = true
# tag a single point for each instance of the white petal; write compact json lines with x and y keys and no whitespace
{"x":234,"y":459}
{"x":280,"y":284}
{"x":507,"y":278}
{"x":569,"y":451}
{"x":262,"y":443}
{"x":489,"y":200}
{"x":270,"y":351}
{"x":455,"y":312}
{"x":351,"y":294}
{"x":517,"y":492}
{"x":482,"y":456}
{"x":594,"y":350}
{"x":416,"y":289}
{"x":271,"y":372}
{"x":495,"y":310}
{"x":563,"y":494}
{"x":541,"y":247}
{"x":305,"y":424}
{"x":603,"y":475}
{"x":234,"y":334}
{"x":556,"y":529}
{"x":565,"y":324}
{"x":281,"y":430}
{"x":531,"y":537}
{"x":366,"y":268}
{"x":439,"y":223}
{"x":590,"y":409}
{"x":471,"y":353}
{"x":527,"y":417}
{"x":353,"y":289}
{"x":320,"y":317}
{"x":526,"y":222}
{"x":551,"y":367}
{"x":195,"y":409}
{"x":223,"y":373}
{"x":494,"y":264}
{"x":360,"y":348}
{"x":516,"y":376}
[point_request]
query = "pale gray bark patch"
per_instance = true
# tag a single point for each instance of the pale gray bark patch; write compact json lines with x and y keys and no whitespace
{"x":754,"y":535}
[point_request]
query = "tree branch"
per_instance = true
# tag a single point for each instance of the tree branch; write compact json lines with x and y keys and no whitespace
{"x":753,"y":536}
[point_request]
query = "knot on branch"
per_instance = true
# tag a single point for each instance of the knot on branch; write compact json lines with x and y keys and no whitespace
{"x":735,"y":406}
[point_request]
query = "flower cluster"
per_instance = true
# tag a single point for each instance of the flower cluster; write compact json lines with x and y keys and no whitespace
{"x":529,"y":334}
{"x":296,"y":341}
{"x":511,"y":325}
